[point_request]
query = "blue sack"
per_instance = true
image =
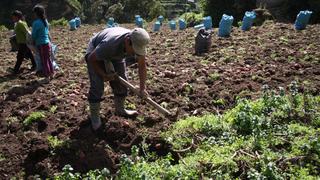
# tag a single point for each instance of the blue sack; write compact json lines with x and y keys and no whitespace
{"x":160,"y":19}
{"x":302,"y":20}
{"x":248,"y":20}
{"x":207,"y":22}
{"x":72,"y":24}
{"x":110,"y":22}
{"x":172,"y":25}
{"x":225,"y":25}
{"x":156,"y":26}
{"x":78,"y":21}
{"x":136,"y":17}
{"x":139,"y":22}
{"x":182,"y":24}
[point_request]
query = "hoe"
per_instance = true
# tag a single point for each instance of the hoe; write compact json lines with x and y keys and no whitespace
{"x":165,"y":112}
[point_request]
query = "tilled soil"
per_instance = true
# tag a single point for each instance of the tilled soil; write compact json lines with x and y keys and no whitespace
{"x":236,"y":67}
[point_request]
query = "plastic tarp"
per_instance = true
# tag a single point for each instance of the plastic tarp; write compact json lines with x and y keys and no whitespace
{"x":247,"y":21}
{"x":225,"y":25}
{"x":302,"y":19}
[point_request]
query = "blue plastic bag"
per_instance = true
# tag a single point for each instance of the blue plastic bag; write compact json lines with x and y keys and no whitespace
{"x":207,"y":22}
{"x":72,"y":24}
{"x":139,"y":22}
{"x":160,"y":19}
{"x":182,"y":24}
{"x":136,"y":17}
{"x":78,"y":21}
{"x":157,"y":26}
{"x":172,"y":25}
{"x":302,"y":19}
{"x":225,"y":25}
{"x":247,"y":21}
{"x":110,"y":22}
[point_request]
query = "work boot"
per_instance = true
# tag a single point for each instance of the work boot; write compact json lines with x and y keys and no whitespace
{"x":120,"y":110}
{"x":95,"y":115}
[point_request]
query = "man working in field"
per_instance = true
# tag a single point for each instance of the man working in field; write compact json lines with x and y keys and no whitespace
{"x":105,"y":58}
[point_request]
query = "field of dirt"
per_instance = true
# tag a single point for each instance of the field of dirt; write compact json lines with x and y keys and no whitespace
{"x":236,"y":67}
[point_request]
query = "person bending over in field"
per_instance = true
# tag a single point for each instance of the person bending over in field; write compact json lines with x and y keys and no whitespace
{"x":105,"y":58}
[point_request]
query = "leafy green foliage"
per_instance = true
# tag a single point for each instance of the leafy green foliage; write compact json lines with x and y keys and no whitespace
{"x":68,"y":174}
{"x":3,"y":28}
{"x":59,"y":22}
{"x":270,"y":138}
{"x":33,"y":117}
{"x":192,"y":19}
{"x":55,"y":143}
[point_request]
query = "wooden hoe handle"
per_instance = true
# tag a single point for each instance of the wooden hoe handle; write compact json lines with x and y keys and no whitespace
{"x":148,"y":99}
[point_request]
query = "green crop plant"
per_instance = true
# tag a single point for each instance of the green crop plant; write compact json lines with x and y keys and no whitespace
{"x":92,"y":174}
{"x":219,"y":102}
{"x":215,"y":76}
{"x":255,"y":140}
{"x":55,"y":143}
{"x":130,"y":105}
{"x":34,"y":117}
{"x":2,"y":158}
{"x":53,"y":108}
{"x":12,"y":119}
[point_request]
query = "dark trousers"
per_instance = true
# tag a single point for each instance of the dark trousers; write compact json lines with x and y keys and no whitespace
{"x":97,"y":83}
{"x":23,"y":52}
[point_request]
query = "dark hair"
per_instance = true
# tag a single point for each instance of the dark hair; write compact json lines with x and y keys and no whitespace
{"x":18,"y":14}
{"x":41,"y":13}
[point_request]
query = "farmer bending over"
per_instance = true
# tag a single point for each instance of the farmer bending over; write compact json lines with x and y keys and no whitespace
{"x":105,"y":57}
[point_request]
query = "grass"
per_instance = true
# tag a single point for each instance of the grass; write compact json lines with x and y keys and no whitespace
{"x":55,"y":143}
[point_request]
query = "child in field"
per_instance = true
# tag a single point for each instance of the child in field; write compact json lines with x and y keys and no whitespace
{"x":21,"y":30}
{"x":40,"y":34}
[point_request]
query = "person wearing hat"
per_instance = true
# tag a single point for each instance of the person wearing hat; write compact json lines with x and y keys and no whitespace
{"x":105,"y":58}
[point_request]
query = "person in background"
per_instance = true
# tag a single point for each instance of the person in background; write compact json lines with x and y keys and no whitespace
{"x":40,"y":34}
{"x":21,"y":30}
{"x":105,"y":57}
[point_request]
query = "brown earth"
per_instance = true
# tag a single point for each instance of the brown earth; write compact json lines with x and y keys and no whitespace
{"x":238,"y":66}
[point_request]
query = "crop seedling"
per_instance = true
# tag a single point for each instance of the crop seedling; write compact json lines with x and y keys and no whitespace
{"x":56,"y":143}
{"x":67,"y":173}
{"x":34,"y":117}
{"x":53,"y":109}
{"x":2,"y":158}
{"x":215,"y":76}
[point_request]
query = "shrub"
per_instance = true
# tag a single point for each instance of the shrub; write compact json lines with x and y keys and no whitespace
{"x":59,"y":22}
{"x":192,"y":19}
